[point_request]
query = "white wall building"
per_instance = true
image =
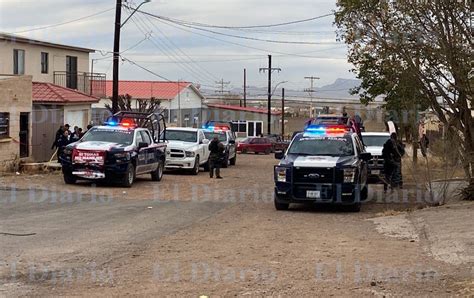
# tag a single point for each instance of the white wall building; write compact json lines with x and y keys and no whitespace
{"x":181,"y":101}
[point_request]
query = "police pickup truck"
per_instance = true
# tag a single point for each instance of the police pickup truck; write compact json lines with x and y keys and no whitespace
{"x":227,"y":137}
{"x":118,"y":151}
{"x":323,"y":164}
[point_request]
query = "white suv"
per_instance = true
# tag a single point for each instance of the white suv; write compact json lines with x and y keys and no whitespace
{"x":187,"y":149}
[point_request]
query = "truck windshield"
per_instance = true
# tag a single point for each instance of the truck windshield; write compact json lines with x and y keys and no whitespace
{"x":181,"y":135}
{"x":333,"y":146}
{"x":118,"y":136}
{"x":375,"y":140}
{"x":220,"y":135}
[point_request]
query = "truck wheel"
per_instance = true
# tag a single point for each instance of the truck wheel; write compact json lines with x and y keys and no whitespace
{"x":355,"y":207}
{"x":233,"y":160}
{"x":157,"y":174}
{"x":195,"y":170}
{"x":281,"y":206}
{"x":225,"y":163}
{"x":268,"y":151}
{"x":69,"y":178}
{"x":245,"y":151}
{"x":364,"y":193}
{"x":129,"y":176}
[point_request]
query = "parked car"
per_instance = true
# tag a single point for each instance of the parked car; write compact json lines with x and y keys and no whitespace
{"x":256,"y":145}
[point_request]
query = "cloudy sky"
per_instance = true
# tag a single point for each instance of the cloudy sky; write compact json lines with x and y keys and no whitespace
{"x":186,"y":53}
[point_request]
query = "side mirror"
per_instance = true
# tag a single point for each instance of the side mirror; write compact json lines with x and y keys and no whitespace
{"x":366,"y":156}
{"x":205,"y":141}
{"x":142,"y":145}
{"x":231,"y":141}
{"x":279,"y":154}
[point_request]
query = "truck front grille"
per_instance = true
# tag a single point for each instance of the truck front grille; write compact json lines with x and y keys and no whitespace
{"x":176,"y":153}
{"x":314,"y":175}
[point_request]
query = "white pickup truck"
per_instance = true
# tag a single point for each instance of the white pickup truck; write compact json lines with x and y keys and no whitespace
{"x":187,"y":149}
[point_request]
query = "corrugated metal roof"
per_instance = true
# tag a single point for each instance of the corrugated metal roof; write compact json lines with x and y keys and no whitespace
{"x":149,"y":89}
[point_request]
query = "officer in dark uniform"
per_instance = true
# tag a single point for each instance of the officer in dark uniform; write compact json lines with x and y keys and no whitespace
{"x":216,"y":155}
{"x":392,"y":153}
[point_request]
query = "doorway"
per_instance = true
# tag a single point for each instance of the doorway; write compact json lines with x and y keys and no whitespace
{"x":24,"y":135}
{"x":71,"y":72}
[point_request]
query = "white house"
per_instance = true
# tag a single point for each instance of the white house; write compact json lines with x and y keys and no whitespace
{"x":181,"y":101}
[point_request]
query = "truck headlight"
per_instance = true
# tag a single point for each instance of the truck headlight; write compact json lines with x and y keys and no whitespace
{"x":67,"y":151}
{"x":349,"y":175}
{"x":280,"y":174}
{"x":190,"y":154}
{"x":122,"y":155}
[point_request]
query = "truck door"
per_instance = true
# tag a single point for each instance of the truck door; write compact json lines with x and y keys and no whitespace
{"x":151,"y":161}
{"x":141,"y":158}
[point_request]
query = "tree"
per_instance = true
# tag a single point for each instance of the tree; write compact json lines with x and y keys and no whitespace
{"x":125,"y":103}
{"x":423,"y":47}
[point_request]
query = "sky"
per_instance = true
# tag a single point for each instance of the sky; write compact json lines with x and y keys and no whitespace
{"x":182,"y":53}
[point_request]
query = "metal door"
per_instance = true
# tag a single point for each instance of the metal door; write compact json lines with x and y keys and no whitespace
{"x":24,"y":135}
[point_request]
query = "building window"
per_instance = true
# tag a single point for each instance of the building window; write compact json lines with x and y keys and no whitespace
{"x":44,"y":62}
{"x":4,"y":125}
{"x":18,"y":62}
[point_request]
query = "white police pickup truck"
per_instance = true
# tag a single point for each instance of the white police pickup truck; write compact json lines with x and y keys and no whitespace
{"x":187,"y":149}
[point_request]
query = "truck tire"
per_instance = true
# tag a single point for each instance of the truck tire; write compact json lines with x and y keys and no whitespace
{"x":225,"y":163}
{"x":355,"y":207}
{"x":195,"y":170}
{"x":233,"y":160}
{"x":268,"y":151}
{"x":157,"y":174}
{"x":129,"y":176}
{"x":69,"y":178}
{"x":281,"y":206}
{"x":364,"y":194}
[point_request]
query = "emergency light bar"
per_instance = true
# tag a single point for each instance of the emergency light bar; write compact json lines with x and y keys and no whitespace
{"x":212,"y":128}
{"x":126,"y":122}
{"x":326,"y":129}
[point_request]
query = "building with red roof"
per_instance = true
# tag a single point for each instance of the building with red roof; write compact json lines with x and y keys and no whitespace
{"x":54,"y":106}
{"x":181,"y":102}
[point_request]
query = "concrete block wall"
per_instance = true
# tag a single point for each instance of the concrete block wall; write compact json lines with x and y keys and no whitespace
{"x":15,"y":98}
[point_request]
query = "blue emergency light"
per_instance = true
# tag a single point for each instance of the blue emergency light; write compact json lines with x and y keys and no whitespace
{"x":321,"y":130}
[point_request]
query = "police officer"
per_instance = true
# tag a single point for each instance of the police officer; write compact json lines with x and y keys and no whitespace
{"x":216,"y":149}
{"x":392,"y":153}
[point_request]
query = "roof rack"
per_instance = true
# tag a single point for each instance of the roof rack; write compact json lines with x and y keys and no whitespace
{"x":155,"y":122}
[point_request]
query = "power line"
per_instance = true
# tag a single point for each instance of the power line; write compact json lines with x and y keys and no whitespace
{"x":165,"y":51}
{"x":247,"y":27}
{"x":146,"y":69}
{"x":237,"y":44}
{"x":65,"y":23}
{"x":182,"y":52}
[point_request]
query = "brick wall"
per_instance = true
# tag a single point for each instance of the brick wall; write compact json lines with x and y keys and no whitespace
{"x":15,"y":98}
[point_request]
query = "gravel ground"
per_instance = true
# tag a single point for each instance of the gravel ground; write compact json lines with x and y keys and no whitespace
{"x":245,"y":247}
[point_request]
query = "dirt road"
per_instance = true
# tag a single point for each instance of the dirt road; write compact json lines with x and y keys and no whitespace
{"x":190,"y":235}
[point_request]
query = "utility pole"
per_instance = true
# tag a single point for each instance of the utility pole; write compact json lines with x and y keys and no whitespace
{"x":283,"y":112}
{"x":311,"y":90}
{"x":115,"y":76}
{"x":221,"y":90}
{"x":245,"y":88}
{"x":269,"y":111}
{"x":179,"y":105}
